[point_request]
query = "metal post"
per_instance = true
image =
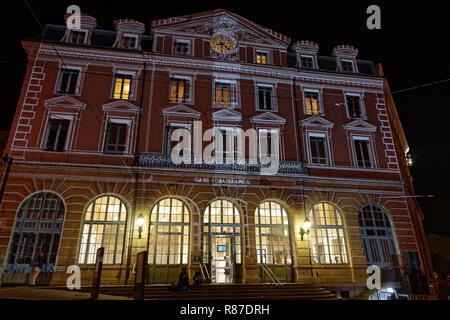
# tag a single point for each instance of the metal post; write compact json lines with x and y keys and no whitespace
{"x":141,"y":275}
{"x":97,"y":273}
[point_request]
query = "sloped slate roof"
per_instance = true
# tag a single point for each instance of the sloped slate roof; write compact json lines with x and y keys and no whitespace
{"x":106,"y":39}
{"x":99,"y":38}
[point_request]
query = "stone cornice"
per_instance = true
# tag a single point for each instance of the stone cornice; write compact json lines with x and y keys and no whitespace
{"x":211,"y":65}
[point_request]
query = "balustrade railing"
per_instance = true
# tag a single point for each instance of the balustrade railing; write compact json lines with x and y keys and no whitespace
{"x":163,"y":161}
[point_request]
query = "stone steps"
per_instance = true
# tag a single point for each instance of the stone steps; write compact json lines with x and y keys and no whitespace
{"x":292,"y":291}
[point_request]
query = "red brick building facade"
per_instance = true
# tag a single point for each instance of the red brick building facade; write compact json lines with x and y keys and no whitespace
{"x":91,"y":137}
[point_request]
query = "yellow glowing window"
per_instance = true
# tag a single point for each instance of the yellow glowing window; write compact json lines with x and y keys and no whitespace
{"x":327,"y":234}
{"x":169,"y":233}
{"x":222,"y":94}
{"x":103,"y":226}
{"x":261,"y":57}
{"x":122,"y":87}
{"x":273,"y":243}
{"x":312,"y":103}
{"x":177,"y":90}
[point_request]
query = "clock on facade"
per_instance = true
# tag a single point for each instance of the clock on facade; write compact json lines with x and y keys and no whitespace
{"x":222,"y":44}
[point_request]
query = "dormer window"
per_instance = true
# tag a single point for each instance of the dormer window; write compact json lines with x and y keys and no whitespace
{"x":181,"y":47}
{"x":78,"y":36}
{"x":129,"y":42}
{"x":346,"y":65}
{"x":307,"y":62}
{"x":262,"y":57}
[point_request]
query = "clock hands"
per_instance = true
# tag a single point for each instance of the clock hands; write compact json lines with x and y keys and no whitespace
{"x":223,"y":45}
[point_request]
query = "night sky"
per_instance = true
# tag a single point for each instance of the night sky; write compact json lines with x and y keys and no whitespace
{"x":412,"y":45}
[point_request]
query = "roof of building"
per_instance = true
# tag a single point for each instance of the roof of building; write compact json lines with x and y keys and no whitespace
{"x":106,"y":38}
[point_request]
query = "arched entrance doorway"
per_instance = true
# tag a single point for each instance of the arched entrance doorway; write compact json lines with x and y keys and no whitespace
{"x":36,"y":236}
{"x":273,"y":241}
{"x":222,"y":241}
{"x":378,"y":241}
{"x":168,"y":247}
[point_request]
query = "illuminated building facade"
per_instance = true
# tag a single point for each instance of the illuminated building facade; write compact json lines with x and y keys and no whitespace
{"x":91,"y":143}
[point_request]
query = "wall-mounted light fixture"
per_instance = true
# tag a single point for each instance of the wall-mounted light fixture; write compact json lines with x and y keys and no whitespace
{"x":140,"y":224}
{"x":305,"y":228}
{"x":409,"y":160}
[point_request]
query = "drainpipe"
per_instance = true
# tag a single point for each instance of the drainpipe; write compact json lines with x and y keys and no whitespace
{"x":136,"y":178}
{"x":299,"y":135}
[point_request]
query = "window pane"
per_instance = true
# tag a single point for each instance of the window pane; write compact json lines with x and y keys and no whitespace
{"x":102,"y":228}
{"x":118,"y":88}
{"x":171,"y":234}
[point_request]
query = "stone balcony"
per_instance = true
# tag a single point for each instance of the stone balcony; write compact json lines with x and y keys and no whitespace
{"x":163,"y":161}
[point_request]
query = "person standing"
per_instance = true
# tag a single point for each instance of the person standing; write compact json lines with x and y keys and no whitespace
{"x":183,"y":280}
{"x":227,"y":272}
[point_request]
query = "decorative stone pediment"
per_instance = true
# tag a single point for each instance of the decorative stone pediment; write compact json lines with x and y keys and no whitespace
{"x":227,"y":115}
{"x":65,"y":102}
{"x":181,"y":111}
{"x":268,"y":118}
{"x":121,"y":106}
{"x":316,"y":121}
{"x":207,"y":23}
{"x":361,"y":125}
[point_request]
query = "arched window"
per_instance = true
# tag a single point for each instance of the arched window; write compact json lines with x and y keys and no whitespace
{"x":169,"y":233}
{"x":37,"y":230}
{"x":103,"y":226}
{"x":377,"y":236}
{"x":327,"y":234}
{"x":222,"y":218}
{"x":272,"y":234}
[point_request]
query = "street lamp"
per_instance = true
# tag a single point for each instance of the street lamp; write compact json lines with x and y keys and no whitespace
{"x":140,"y":223}
{"x":305,"y":228}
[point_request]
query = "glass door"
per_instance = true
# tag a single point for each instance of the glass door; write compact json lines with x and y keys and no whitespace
{"x":222,"y":262}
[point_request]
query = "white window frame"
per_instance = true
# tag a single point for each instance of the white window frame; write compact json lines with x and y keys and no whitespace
{"x":313,"y":58}
{"x":129,"y":35}
{"x":361,"y":104}
{"x":69,"y":138}
{"x":277,"y":130}
{"x":371,"y":151}
{"x":273,"y":99}
{"x":133,"y":88}
{"x":85,"y":31}
{"x":233,"y":93}
{"x":190,"y":51}
{"x":129,"y":134}
{"x":80,"y":79}
{"x":352,"y":61}
{"x":268,"y":57}
{"x":326,"y":147}
{"x":189,"y":84}
{"x":178,"y":125}
{"x":319,"y":102}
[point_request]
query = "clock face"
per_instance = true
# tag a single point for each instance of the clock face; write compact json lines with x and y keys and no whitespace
{"x":222,"y":44}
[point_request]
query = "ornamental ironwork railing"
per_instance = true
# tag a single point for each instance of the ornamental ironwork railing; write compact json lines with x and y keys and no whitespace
{"x":163,"y":161}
